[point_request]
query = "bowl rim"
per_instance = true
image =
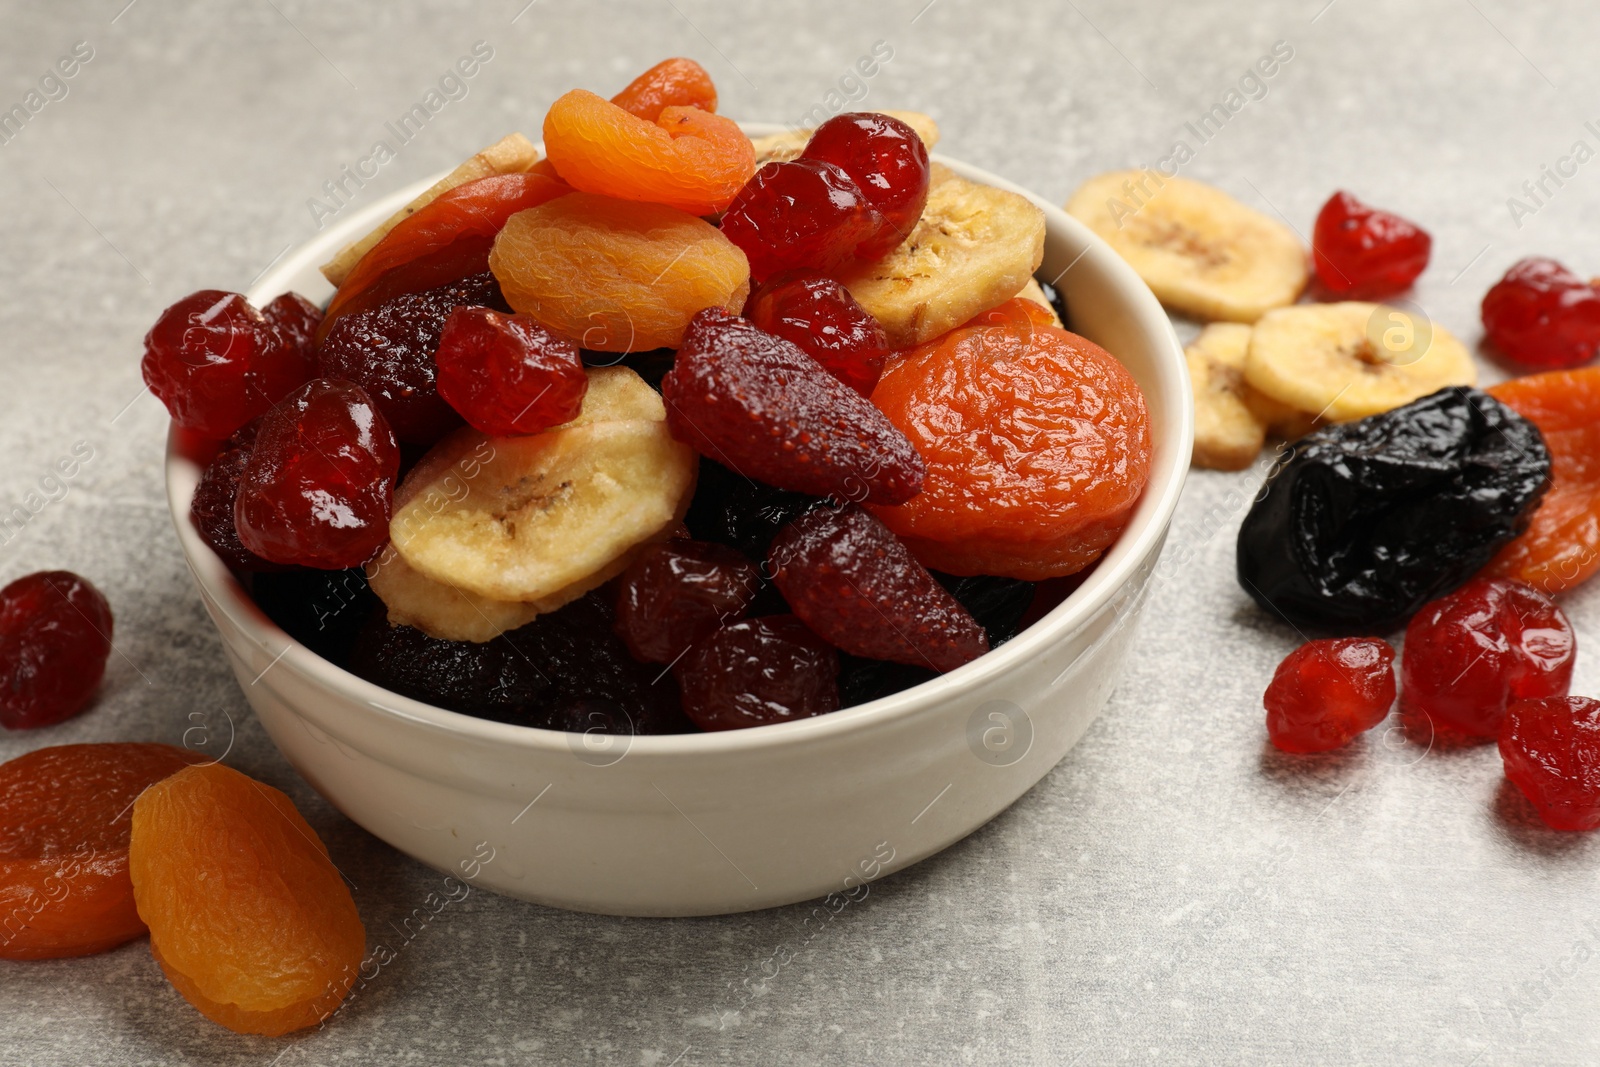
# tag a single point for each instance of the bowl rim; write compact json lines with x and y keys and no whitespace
{"x":1171,"y":448}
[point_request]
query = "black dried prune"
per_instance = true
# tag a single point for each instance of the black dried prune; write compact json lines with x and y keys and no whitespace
{"x":733,"y":510}
{"x":998,"y":604}
{"x":323,"y":610}
{"x":1366,"y":521}
{"x":492,"y":680}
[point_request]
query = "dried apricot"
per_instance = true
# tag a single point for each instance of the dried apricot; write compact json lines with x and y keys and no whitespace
{"x":1561,"y":548}
{"x":670,"y":83}
{"x":687,"y":158}
{"x":248,"y":917}
{"x":1037,"y":445}
{"x":64,"y":887}
{"x":616,"y":275}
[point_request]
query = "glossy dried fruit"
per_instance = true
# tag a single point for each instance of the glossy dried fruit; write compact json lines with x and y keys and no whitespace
{"x":804,"y":214}
{"x":1561,"y":547}
{"x":617,"y":276}
{"x":249,"y":919}
{"x":853,"y":583}
{"x":388,"y":351}
{"x":757,"y":672}
{"x":760,"y":406}
{"x":677,"y":592}
{"x":1325,"y":693}
{"x":211,"y":508}
{"x":674,"y":82}
{"x":1473,"y":653}
{"x":1366,"y":521}
{"x":55,"y":638}
{"x":64,"y":887}
{"x":889,"y":164}
{"x":318,"y":488}
{"x":1543,"y":315}
{"x":297,"y":321}
{"x":508,"y":375}
{"x":1362,"y":253}
{"x":821,"y":316}
{"x":216,"y":363}
{"x":1037,"y":444}
{"x":1551,"y":751}
{"x":685,"y":158}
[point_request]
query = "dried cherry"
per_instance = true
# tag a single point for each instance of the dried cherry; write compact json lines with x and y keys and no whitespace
{"x":677,"y":592}
{"x":1366,"y":521}
{"x":1325,"y":693}
{"x":803,"y":214}
{"x":211,"y":508}
{"x":506,"y":374}
{"x":55,"y":638}
{"x":1362,"y":253}
{"x":1543,"y":315}
{"x":1551,"y":752}
{"x":819,"y":314}
{"x":757,"y":672}
{"x":889,"y":164}
{"x":297,"y":321}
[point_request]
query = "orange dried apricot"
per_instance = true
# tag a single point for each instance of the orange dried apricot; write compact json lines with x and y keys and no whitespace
{"x":1037,"y":445}
{"x":1561,"y":548}
{"x":687,"y":158}
{"x":616,"y":275}
{"x":64,"y":887}
{"x":670,"y":83}
{"x":248,"y":917}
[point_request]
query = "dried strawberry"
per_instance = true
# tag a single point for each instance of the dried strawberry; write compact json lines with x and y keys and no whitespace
{"x":821,"y":316}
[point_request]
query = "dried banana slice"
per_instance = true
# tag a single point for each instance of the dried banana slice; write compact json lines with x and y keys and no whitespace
{"x":790,"y":143}
{"x":1197,"y":248}
{"x":512,"y":154}
{"x":1350,"y":360}
{"x":974,"y":247}
{"x":1035,"y":292}
{"x":1227,"y":434}
{"x":438,"y":609}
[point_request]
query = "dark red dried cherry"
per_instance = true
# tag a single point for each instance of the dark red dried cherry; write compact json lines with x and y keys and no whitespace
{"x":678,"y":592}
{"x":318,"y":489}
{"x":506,"y":374}
{"x":1327,"y":692}
{"x":756,"y":672}
{"x":798,"y":215}
{"x":55,"y":638}
{"x":1470,"y":655}
{"x":820,"y":315}
{"x":1363,"y":253}
{"x":1543,"y":315}
{"x":212,"y":506}
{"x":1551,"y":751}
{"x":296,"y":319}
{"x":887,"y":161}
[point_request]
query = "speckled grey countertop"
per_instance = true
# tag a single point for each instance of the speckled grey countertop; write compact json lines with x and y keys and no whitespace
{"x":1174,"y":891}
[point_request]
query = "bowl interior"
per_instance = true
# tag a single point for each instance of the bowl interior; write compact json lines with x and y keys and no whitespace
{"x":1108,"y":304}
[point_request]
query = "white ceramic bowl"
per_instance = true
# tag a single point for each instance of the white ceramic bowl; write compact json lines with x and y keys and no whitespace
{"x":724,"y":822}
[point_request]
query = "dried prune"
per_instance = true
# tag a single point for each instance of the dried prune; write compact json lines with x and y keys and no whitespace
{"x":679,"y":591}
{"x":999,"y":604}
{"x":861,"y":680}
{"x":1366,"y":521}
{"x":323,"y":610}
{"x":759,"y":671}
{"x":734,"y":510}
{"x":492,"y":680}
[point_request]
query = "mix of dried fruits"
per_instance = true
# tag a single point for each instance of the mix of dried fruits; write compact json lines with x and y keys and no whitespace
{"x":1407,"y":498}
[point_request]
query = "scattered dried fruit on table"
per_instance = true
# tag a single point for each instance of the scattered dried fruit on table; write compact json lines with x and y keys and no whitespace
{"x":55,"y":638}
{"x":676,"y":82}
{"x":760,"y":406}
{"x":506,"y":374}
{"x":1037,"y":444}
{"x":1365,"y":253}
{"x":248,"y":917}
{"x":1561,"y":548}
{"x":318,"y":488}
{"x":820,"y":315}
{"x":888,"y":163}
{"x":64,"y":887}
{"x":1367,"y":521}
{"x":1325,"y":693}
{"x":974,"y":248}
{"x":617,"y":276}
{"x":216,"y":363}
{"x":806,"y":214}
{"x":1197,"y":248}
{"x":1473,"y":653}
{"x":1551,"y":751}
{"x":757,"y":672}
{"x":678,"y":592}
{"x":1543,"y":316}
{"x":685,"y":158}
{"x":853,"y":583}
{"x":388,"y":351}
{"x":1347,"y":361}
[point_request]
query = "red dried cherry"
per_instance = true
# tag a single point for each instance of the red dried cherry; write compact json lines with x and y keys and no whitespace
{"x":506,"y":374}
{"x":759,"y":671}
{"x":318,"y":489}
{"x":759,"y":405}
{"x":1327,"y":692}
{"x":800,"y":214}
{"x":1551,"y":751}
{"x":678,"y":592}
{"x":1362,"y":252}
{"x":852,"y":581}
{"x":216,"y":363}
{"x":55,"y":638}
{"x":297,"y":320}
{"x":820,"y":315}
{"x":1543,"y":315}
{"x":888,"y":161}
{"x":1471,"y":654}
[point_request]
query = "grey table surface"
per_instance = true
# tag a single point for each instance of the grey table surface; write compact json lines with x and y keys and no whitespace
{"x":1173,"y":891}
